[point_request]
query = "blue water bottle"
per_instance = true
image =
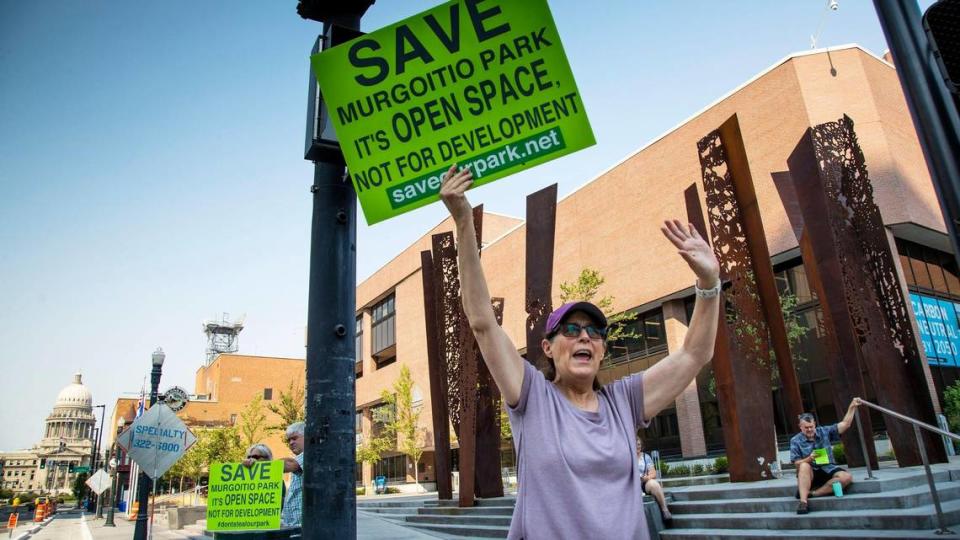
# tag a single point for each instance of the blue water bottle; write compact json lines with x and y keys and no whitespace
{"x":837,"y":489}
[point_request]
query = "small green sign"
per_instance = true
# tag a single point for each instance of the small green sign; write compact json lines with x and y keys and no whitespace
{"x":81,"y":469}
{"x":481,"y":83}
{"x":243,"y":498}
{"x":820,"y":456}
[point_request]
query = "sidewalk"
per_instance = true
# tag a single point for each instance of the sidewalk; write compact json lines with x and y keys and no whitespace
{"x":368,"y":528}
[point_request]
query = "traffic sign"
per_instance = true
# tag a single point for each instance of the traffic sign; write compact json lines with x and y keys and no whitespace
{"x":99,"y":482}
{"x":156,"y":440}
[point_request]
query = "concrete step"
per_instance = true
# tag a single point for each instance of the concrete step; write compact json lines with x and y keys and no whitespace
{"x":917,"y":518}
{"x":903,"y":498}
{"x":393,"y":510}
{"x":397,"y":518}
{"x":475,"y":511}
{"x":786,"y":487}
{"x":494,"y":501}
{"x":501,"y":521}
{"x":470,"y":531}
{"x":394,"y":503}
{"x":680,"y":481}
{"x":814,"y":534}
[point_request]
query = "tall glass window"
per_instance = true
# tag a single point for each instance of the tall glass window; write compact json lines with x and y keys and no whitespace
{"x":358,"y":345}
{"x":648,"y":338}
{"x":383,"y":326}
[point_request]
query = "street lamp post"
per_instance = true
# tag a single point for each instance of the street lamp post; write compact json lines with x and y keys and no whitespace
{"x":96,"y":455}
{"x":329,"y":497}
{"x":114,"y":463}
{"x":143,"y":482}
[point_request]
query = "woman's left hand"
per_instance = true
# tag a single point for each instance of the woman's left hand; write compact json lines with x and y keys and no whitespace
{"x":695,"y":250}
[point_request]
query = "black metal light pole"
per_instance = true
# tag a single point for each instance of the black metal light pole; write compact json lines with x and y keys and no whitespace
{"x":96,"y":457}
{"x":934,"y":113}
{"x":113,"y":463}
{"x":329,"y":494}
{"x":143,"y":481}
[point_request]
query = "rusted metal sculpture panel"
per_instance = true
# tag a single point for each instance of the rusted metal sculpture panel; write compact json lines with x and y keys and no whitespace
{"x":446,"y":281}
{"x":488,"y":477}
{"x":472,"y":398}
{"x":846,"y":378}
{"x":742,"y":354}
{"x":438,"y":382}
{"x":872,"y":309}
{"x":541,"y":229}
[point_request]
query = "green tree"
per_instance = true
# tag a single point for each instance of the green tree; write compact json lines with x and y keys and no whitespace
{"x":253,"y":422}
{"x":79,"y":485}
{"x":291,"y":407}
{"x":222,"y":444}
{"x":587,"y":289}
{"x":216,"y":444}
{"x":405,"y":425}
{"x":505,"y":431}
{"x":951,"y":401}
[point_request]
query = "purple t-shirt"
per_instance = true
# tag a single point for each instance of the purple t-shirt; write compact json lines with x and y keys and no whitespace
{"x":577,"y":470}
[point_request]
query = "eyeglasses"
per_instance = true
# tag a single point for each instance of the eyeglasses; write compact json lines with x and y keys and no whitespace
{"x":572,"y":330}
{"x":256,"y":456}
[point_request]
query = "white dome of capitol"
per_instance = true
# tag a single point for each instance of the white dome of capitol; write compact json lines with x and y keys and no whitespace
{"x":75,"y":394}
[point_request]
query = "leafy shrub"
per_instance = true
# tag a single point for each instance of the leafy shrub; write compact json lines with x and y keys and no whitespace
{"x":697,"y":469}
{"x":664,"y":469}
{"x":838,"y":454}
{"x":679,"y":470}
{"x":391,"y":489}
{"x":721,"y":465}
{"x":361,"y":490}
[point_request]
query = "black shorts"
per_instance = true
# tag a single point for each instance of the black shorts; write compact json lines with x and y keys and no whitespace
{"x":821,"y":477}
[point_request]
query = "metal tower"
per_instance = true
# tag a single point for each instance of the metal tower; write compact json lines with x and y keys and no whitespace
{"x":222,"y":336}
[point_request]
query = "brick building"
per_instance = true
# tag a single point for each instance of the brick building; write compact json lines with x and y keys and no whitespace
{"x":611,"y":224}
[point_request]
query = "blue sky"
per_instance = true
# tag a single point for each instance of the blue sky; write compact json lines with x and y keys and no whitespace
{"x":152,"y":172}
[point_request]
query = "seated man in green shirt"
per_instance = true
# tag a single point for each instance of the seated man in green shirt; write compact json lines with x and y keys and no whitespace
{"x":811,"y":451}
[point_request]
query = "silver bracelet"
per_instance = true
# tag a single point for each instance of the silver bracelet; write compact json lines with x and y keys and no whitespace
{"x":708,"y":293}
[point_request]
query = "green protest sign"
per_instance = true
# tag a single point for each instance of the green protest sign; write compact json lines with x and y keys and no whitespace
{"x":244,"y":498}
{"x":483,"y":83}
{"x":820,"y":456}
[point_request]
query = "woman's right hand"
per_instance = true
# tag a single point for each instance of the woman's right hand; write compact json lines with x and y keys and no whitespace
{"x":453,"y":191}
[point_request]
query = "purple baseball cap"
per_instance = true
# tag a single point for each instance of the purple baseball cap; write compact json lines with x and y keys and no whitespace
{"x":592,"y":311}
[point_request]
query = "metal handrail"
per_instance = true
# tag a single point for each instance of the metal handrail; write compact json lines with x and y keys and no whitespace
{"x":917,"y":424}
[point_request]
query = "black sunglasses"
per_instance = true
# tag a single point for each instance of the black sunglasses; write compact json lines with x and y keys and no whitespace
{"x":256,"y":457}
{"x":572,"y":330}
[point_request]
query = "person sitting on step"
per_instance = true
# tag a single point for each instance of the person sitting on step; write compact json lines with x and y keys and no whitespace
{"x":811,"y":451}
{"x":648,"y":482}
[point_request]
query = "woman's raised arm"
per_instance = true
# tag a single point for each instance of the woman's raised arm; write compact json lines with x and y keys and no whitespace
{"x":663,"y":382}
{"x":499,"y":353}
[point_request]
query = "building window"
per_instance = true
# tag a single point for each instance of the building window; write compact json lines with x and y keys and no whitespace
{"x":383,"y":326}
{"x":649,"y":338}
{"x":267,"y":394}
{"x":393,"y":467}
{"x":358,"y":347}
{"x":233,"y":419}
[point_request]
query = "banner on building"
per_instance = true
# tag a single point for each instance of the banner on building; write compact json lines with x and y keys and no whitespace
{"x":485,"y":85}
{"x":241,"y":498}
{"x":939,"y":329}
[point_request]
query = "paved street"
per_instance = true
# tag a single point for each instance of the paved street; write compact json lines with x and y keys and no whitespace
{"x":77,"y":525}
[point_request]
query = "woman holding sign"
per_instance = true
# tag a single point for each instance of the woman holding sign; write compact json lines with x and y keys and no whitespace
{"x":576,"y":440}
{"x":811,"y":451}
